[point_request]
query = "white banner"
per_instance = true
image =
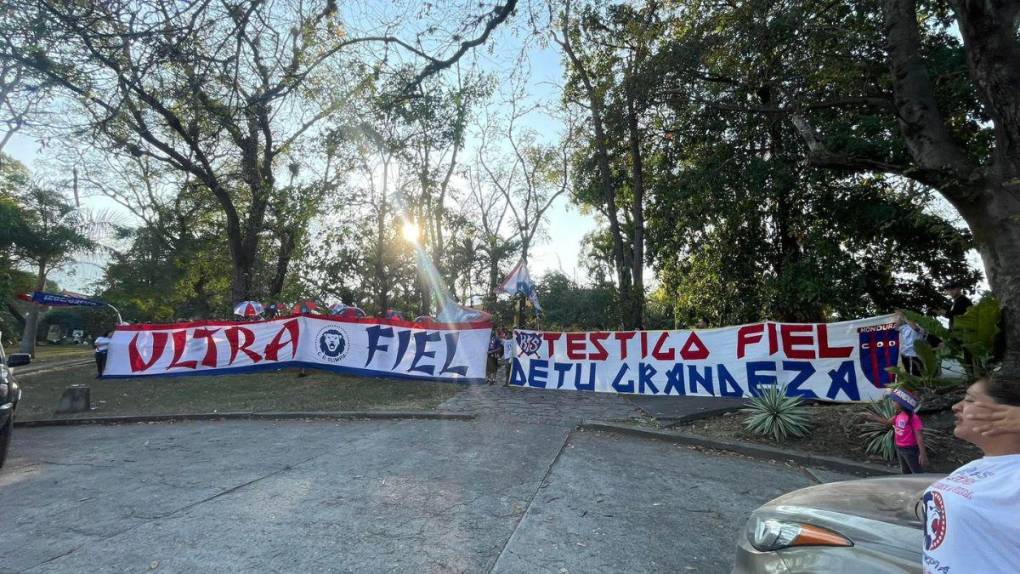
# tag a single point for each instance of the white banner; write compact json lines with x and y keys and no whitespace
{"x":836,"y":361}
{"x":362,"y":346}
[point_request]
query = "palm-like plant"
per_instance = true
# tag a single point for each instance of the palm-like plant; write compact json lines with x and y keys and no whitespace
{"x":773,"y":413}
{"x":879,"y":436}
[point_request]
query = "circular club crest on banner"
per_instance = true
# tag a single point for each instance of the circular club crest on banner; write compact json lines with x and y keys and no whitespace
{"x":332,"y":344}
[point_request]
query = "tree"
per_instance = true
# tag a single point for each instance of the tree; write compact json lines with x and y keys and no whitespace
{"x":529,"y":174}
{"x":220,"y":91}
{"x":609,"y":53}
{"x":495,"y":248}
{"x":14,"y":178}
{"x":572,"y":307}
{"x":436,"y":121}
{"x":53,"y":233}
{"x":888,"y":87}
{"x":21,"y":99}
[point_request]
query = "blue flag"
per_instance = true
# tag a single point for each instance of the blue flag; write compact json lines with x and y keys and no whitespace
{"x":59,"y":300}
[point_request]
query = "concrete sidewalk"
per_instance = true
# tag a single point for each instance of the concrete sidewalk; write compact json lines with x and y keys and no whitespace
{"x":372,"y":496}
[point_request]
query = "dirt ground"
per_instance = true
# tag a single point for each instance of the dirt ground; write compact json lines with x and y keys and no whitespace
{"x":836,"y":432}
{"x":254,"y":392}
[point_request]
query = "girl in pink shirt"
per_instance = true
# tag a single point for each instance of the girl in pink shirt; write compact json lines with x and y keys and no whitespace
{"x":908,"y":431}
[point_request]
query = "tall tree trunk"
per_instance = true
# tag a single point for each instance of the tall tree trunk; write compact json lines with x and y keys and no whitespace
{"x":288,"y":242}
{"x":987,"y":196}
{"x":636,"y":307}
{"x":997,"y":235}
{"x":993,"y":56}
{"x":521,"y":303}
{"x":382,"y":290}
{"x":31,"y":330}
{"x":493,"y":269}
{"x":16,"y":314}
{"x":620,"y":259}
{"x":241,"y":288}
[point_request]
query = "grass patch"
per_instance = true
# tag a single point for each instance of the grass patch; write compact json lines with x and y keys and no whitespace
{"x":53,"y":353}
{"x":278,"y":391}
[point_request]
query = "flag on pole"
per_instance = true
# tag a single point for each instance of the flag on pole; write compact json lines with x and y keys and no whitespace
{"x":519,"y":282}
{"x":66,"y":299}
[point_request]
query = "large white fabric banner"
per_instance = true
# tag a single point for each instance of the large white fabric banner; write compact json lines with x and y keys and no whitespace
{"x":365,"y":346}
{"x":828,"y":361}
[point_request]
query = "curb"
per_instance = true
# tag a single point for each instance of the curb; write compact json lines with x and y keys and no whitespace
{"x":44,"y":368}
{"x":341,"y":415}
{"x":668,"y":422}
{"x":748,"y":449}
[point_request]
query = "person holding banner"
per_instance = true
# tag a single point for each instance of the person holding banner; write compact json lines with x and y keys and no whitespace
{"x":910,"y":332}
{"x":102,"y":345}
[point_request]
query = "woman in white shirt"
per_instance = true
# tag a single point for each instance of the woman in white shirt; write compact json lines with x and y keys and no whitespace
{"x":102,"y":345}
{"x":910,"y":332}
{"x":971,"y":516}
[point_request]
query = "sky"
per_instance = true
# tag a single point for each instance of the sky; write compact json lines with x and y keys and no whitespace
{"x":558,"y":248}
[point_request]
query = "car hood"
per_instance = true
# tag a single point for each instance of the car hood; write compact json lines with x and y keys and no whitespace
{"x":889,"y":499}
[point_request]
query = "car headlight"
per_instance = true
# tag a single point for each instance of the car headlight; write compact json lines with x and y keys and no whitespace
{"x":771,"y":534}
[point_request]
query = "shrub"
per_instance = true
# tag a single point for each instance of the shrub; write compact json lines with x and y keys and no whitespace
{"x":879,"y":436}
{"x":774,"y":414}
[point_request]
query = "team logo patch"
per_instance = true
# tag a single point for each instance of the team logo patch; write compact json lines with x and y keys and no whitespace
{"x":528,"y":343}
{"x":878,"y":349}
{"x":333,"y":344}
{"x":934,"y":520}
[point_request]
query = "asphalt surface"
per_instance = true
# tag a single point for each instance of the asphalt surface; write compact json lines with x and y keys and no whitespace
{"x":372,"y":496}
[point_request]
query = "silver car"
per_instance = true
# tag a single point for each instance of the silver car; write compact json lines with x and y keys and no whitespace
{"x":852,"y":527}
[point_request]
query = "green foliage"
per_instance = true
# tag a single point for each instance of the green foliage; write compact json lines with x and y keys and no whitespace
{"x":879,"y":437}
{"x":570,"y":307}
{"x":972,"y":337}
{"x":931,"y":325}
{"x":739,"y":226}
{"x":976,"y":331}
{"x":773,"y":413}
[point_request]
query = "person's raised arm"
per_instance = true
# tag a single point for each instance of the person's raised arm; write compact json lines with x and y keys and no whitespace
{"x":995,"y":418}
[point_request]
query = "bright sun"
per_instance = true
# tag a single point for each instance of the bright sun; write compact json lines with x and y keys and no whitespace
{"x":410,"y":232}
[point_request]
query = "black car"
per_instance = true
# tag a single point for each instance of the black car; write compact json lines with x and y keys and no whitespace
{"x":10,"y":394}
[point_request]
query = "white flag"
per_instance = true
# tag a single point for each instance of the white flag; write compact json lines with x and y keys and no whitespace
{"x":519,"y":282}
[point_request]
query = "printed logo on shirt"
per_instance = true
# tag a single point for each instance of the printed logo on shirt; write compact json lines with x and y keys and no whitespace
{"x":934,"y":520}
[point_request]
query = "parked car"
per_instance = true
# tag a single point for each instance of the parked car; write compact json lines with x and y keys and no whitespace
{"x":10,"y":394}
{"x":853,"y":527}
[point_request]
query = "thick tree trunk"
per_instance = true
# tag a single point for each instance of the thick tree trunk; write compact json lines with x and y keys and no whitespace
{"x":522,"y":317}
{"x":490,"y":294}
{"x":620,"y":259}
{"x":636,"y":306}
{"x":241,"y":288}
{"x":998,"y":237}
{"x":288,"y":242}
{"x":16,"y":314}
{"x":31,"y":329}
{"x":381,"y":287}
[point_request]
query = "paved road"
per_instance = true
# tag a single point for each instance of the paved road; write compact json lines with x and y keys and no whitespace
{"x":491,"y":495}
